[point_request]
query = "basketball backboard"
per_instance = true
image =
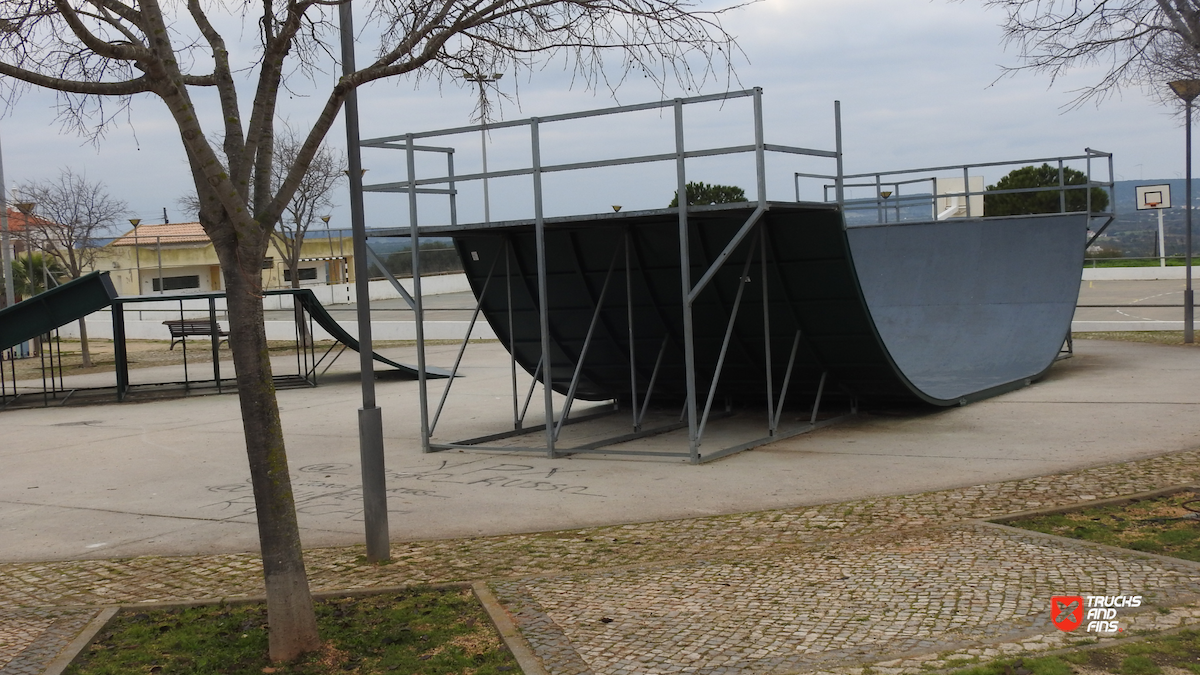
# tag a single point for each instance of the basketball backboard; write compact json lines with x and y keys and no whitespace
{"x":1153,"y":197}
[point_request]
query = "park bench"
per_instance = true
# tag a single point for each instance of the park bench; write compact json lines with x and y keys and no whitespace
{"x":182,"y":328}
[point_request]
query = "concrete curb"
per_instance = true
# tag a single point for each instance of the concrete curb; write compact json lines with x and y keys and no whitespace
{"x":1091,"y":503}
{"x":75,"y":647}
{"x":516,"y":644}
{"x":507,"y":630}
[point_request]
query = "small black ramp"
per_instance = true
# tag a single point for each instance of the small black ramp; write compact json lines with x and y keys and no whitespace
{"x":325,"y":320}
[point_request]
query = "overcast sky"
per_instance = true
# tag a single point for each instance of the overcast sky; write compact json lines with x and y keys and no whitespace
{"x":918,"y":82}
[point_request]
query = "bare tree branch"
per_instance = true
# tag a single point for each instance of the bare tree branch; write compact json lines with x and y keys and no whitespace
{"x":1137,"y":42}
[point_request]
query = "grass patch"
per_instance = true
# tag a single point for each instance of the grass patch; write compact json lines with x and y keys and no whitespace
{"x":1159,"y":525}
{"x":1157,"y":337}
{"x":1146,"y":657}
{"x":420,"y":630}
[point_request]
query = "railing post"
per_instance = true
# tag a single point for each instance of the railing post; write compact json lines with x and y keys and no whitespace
{"x":967,"y":188}
{"x":543,"y":297}
{"x":760,"y":159}
{"x":1062,"y":187}
{"x":685,"y":281}
{"x":418,"y":302}
{"x":840,"y":181}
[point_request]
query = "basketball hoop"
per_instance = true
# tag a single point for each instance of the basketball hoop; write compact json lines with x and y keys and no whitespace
{"x":1152,"y":205}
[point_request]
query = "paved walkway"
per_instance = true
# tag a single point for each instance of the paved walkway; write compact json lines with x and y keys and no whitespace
{"x":901,"y":584}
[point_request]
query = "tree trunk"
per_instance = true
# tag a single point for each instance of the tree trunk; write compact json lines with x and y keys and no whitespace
{"x":293,"y":626}
{"x":83,"y":344}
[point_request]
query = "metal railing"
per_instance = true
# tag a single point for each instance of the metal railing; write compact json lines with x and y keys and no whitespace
{"x":697,"y":410}
{"x":892,"y":197}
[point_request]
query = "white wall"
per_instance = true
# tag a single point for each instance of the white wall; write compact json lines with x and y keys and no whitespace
{"x":143,"y":320}
{"x":1137,"y":273}
{"x":100,"y":327}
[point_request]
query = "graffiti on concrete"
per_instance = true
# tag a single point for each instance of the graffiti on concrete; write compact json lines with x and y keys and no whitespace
{"x":335,"y":490}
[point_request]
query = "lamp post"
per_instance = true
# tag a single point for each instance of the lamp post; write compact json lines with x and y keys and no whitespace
{"x":1187,"y":90}
{"x":370,"y":416}
{"x":9,"y":274}
{"x":482,"y":80}
{"x":137,"y":254}
{"x":26,"y":209}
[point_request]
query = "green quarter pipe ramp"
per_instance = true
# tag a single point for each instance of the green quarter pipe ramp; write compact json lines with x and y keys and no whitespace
{"x":56,"y":307}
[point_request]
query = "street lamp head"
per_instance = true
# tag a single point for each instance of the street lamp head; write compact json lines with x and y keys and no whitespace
{"x":1187,"y":90}
{"x":135,"y":221}
{"x":25,"y":207}
{"x":325,"y":219}
{"x":482,"y":78}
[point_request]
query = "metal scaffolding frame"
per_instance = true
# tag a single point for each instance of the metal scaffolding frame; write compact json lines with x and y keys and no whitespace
{"x":697,"y":413}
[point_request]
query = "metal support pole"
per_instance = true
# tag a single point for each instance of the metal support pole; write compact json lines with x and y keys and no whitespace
{"x":9,"y":275}
{"x":760,"y":159}
{"x":653,"y":378}
{"x":762,"y":242}
{"x":418,"y":298}
{"x":1188,"y":300}
{"x":462,"y":349}
{"x":158,"y":245}
{"x":537,"y":372}
{"x":543,"y":295}
{"x":512,"y":352}
{"x":880,"y":213}
{"x":450,"y":186}
{"x":370,"y":417}
{"x":967,"y":189}
{"x":733,"y":314}
{"x":840,"y":181}
{"x":487,"y":206}
{"x":1062,"y":187}
{"x":685,"y":281}
{"x":587,"y":343}
{"x":787,"y":379}
{"x":216,"y":341}
{"x":1162,"y":242}
{"x":633,"y":397}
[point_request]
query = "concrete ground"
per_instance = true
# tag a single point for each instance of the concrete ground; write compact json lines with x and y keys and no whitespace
{"x":170,"y":477}
{"x":1135,"y":295}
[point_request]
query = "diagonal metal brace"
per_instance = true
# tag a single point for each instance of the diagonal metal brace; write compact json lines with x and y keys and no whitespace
{"x":724,"y":255}
{"x":412,"y":304}
{"x":587,"y":341}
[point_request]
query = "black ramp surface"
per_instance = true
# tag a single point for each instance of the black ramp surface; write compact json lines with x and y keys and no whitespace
{"x":325,"y":320}
{"x":56,"y":307}
{"x":966,"y":305}
{"x":923,"y":313}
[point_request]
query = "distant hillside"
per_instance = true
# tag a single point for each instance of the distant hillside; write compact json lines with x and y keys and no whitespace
{"x":1134,"y":232}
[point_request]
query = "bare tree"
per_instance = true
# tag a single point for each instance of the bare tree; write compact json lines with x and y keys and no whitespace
{"x":74,"y":214}
{"x":1135,"y":42}
{"x":101,"y":54}
{"x":313,"y":196}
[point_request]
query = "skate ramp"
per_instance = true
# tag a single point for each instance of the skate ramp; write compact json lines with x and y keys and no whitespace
{"x":934,"y":313}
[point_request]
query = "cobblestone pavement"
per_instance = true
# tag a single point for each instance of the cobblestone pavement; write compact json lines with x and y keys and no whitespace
{"x":904,"y":584}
